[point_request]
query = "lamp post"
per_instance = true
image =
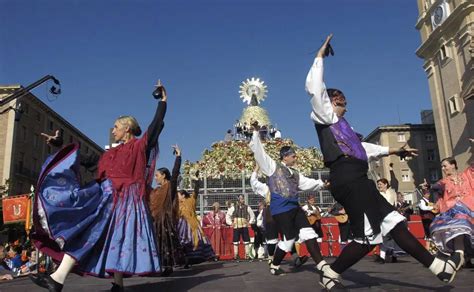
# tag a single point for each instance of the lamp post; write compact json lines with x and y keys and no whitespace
{"x":55,"y":89}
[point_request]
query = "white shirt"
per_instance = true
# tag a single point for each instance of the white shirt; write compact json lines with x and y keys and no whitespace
{"x":311,"y":212}
{"x":230,"y":214}
{"x":268,"y":166}
{"x":258,"y":187}
{"x":390,"y":196}
{"x":322,"y":111}
{"x":260,"y":219}
{"x":423,"y":205}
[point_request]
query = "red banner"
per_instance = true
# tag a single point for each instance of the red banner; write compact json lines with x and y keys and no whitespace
{"x":15,"y":209}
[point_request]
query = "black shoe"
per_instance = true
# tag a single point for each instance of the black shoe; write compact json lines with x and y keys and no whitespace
{"x":167,"y":271}
{"x":381,"y":261}
{"x":186,"y":266}
{"x":117,"y":288}
{"x":451,"y":265}
{"x":331,"y":284}
{"x":378,"y":259}
{"x":394,"y":259}
{"x":276,"y":271}
{"x":45,"y":281}
{"x":299,"y":261}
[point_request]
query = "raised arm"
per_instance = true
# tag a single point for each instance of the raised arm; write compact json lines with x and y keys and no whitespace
{"x":322,"y":111}
{"x":196,"y":187}
{"x":157,"y":124}
{"x":175,"y":172}
{"x":265,"y":162}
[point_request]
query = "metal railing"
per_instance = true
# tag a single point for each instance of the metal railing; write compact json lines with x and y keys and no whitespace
{"x":227,"y":190}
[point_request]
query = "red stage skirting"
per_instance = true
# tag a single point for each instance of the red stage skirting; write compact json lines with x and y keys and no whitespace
{"x":329,"y":224}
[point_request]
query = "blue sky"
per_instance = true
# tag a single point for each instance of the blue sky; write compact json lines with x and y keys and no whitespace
{"x":109,"y":54}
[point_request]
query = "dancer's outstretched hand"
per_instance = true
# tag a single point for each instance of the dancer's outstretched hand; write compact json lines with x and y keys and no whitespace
{"x":176,"y":150}
{"x":55,"y":140}
{"x":322,"y":50}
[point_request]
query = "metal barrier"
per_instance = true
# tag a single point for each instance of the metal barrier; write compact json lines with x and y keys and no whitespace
{"x":227,"y":190}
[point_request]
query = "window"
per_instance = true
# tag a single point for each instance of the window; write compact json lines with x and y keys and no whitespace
{"x":434,"y":176}
{"x":71,"y":139}
{"x":87,"y":149}
{"x":443,"y":53}
{"x":61,"y":132}
{"x":453,"y":105}
{"x":429,"y":137}
{"x":38,"y":116}
{"x":405,"y":175}
{"x":51,"y":125}
{"x":431,"y":154}
{"x":401,"y":137}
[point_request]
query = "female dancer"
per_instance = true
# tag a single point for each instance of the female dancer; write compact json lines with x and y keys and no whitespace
{"x":164,"y":209}
{"x":103,"y":228}
{"x":197,"y":247}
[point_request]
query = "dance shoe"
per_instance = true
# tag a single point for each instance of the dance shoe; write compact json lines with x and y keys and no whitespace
{"x":45,"y":281}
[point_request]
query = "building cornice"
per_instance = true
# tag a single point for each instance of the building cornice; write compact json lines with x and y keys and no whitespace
{"x":398,"y":128}
{"x":431,"y":44}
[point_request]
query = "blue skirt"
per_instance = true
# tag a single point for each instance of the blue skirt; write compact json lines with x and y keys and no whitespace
{"x":194,"y":254}
{"x":105,"y":233}
{"x":450,"y":224}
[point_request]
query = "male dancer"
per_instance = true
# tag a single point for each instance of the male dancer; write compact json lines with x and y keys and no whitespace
{"x":271,"y":230}
{"x":285,"y":183}
{"x":370,"y":215}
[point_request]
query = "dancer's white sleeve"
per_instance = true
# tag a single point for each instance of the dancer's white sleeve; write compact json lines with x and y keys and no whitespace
{"x":375,"y":151}
{"x":258,"y":187}
{"x":322,"y":111}
{"x":309,"y":184}
{"x":266,"y":163}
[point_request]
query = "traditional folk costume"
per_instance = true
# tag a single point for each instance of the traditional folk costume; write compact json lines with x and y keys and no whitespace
{"x":239,"y":216}
{"x":370,"y":215}
{"x":164,"y":211}
{"x":269,"y":226}
{"x":215,"y":223}
{"x":196,"y":245}
{"x":284,"y":184}
{"x":456,"y":205}
{"x":105,"y":225}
